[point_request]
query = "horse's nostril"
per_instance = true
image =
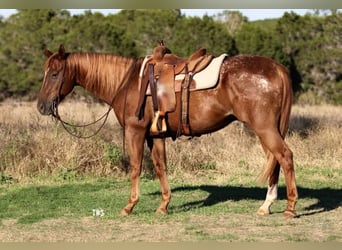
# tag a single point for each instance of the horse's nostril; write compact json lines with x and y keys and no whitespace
{"x":41,"y":108}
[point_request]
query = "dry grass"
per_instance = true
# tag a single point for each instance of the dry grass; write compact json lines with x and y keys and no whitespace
{"x":35,"y":145}
{"x":224,"y":228}
{"x":231,"y":159}
{"x":316,"y":137}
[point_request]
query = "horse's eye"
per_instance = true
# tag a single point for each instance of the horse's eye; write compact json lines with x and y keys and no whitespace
{"x":54,"y":75}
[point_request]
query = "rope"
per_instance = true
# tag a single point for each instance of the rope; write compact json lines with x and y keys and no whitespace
{"x":65,"y":124}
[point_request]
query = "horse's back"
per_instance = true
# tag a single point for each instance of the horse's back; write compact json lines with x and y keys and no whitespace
{"x":251,"y":65}
{"x":248,"y":74}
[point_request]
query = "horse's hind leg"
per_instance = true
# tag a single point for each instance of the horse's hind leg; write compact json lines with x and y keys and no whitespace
{"x":272,"y":191}
{"x":159,"y":160}
{"x":272,"y":140}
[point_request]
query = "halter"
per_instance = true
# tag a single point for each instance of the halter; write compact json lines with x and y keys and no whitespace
{"x":56,"y":115}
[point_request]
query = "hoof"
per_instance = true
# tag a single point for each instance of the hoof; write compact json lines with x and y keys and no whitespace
{"x":289,"y":214}
{"x":124,"y":212}
{"x":263,"y":212}
{"x":161,"y":211}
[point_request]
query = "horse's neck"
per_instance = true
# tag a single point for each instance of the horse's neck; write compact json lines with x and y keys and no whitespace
{"x":101,"y":74}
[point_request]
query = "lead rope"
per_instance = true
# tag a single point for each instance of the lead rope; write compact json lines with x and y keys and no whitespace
{"x":65,"y":124}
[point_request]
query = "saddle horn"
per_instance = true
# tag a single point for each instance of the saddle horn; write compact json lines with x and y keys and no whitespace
{"x":161,"y":42}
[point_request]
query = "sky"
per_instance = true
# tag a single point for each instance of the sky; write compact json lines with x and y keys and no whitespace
{"x":252,"y":14}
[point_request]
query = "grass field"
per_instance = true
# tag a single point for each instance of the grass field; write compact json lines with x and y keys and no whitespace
{"x":51,"y":182}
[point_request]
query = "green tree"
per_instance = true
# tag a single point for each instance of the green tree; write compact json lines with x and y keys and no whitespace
{"x":233,"y":20}
{"x":145,"y":27}
{"x":194,"y":32}
{"x":314,"y":45}
{"x":23,"y":37}
{"x":310,"y":46}
{"x":95,"y":32}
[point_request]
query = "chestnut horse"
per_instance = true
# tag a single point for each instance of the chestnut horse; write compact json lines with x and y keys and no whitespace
{"x":252,"y":89}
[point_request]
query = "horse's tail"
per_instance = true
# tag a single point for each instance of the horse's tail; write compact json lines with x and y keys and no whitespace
{"x":284,"y":119}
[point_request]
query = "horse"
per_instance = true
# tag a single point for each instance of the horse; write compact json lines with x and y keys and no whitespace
{"x":252,"y":89}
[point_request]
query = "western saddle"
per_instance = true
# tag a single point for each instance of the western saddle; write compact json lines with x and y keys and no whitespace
{"x":162,"y":67}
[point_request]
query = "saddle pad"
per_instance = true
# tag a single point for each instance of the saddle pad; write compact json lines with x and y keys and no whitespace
{"x":208,"y":77}
{"x":143,"y":65}
{"x":205,"y":79}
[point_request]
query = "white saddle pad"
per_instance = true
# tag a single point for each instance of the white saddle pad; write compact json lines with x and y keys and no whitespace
{"x":207,"y":78}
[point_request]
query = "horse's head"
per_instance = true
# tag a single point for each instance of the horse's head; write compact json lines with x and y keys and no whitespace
{"x":55,"y":83}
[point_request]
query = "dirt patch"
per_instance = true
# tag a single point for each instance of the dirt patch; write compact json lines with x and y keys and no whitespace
{"x":88,"y":229}
{"x":325,"y":226}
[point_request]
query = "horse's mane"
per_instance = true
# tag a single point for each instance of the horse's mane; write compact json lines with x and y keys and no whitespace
{"x":101,"y":73}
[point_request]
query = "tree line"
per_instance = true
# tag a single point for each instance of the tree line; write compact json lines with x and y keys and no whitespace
{"x":310,"y":46}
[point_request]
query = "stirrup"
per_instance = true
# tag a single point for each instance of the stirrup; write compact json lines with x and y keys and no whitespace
{"x":158,"y":125}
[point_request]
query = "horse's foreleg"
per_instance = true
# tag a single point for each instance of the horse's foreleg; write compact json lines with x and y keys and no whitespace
{"x":135,"y":142}
{"x":159,"y":160}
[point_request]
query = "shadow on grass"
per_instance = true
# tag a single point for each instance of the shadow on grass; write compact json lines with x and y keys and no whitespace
{"x":36,"y":203}
{"x":303,"y":125}
{"x":327,"y":198}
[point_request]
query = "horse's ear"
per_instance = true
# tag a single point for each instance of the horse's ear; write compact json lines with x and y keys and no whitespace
{"x":47,"y":53}
{"x":61,"y":51}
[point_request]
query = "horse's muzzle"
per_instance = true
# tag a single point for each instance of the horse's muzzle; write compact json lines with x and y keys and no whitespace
{"x":47,"y":108}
